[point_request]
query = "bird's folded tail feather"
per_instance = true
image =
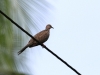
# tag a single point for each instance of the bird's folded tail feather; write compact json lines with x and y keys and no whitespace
{"x":23,"y":49}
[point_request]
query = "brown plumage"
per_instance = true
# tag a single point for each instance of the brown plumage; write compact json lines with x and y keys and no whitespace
{"x":41,"y":37}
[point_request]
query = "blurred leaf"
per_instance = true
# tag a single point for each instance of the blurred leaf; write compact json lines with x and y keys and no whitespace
{"x":30,"y":14}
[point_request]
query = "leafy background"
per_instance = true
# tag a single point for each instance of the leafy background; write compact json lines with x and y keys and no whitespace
{"x":13,"y":39}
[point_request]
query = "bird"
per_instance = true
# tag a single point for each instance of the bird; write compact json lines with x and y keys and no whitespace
{"x":41,"y":37}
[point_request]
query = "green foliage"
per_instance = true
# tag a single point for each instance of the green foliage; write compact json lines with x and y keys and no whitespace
{"x":11,"y":37}
{"x":7,"y":45}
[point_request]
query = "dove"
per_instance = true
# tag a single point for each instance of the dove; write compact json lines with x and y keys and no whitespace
{"x":41,"y":37}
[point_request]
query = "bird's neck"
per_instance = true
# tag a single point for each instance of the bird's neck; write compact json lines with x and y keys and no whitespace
{"x":47,"y":29}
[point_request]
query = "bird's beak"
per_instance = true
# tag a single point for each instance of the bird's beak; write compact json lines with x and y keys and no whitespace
{"x":52,"y":27}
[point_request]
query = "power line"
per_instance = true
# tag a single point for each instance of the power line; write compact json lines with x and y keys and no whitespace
{"x":40,"y":43}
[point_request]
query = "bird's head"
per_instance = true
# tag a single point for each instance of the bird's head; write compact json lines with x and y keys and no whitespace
{"x":48,"y":26}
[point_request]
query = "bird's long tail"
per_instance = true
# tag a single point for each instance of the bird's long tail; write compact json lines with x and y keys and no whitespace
{"x":23,"y":49}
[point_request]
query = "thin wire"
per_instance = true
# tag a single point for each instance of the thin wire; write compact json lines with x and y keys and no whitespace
{"x":40,"y":43}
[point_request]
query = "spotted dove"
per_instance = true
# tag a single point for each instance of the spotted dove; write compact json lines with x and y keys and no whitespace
{"x":41,"y":37}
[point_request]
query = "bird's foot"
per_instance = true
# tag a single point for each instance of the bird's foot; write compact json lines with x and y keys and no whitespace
{"x":43,"y":45}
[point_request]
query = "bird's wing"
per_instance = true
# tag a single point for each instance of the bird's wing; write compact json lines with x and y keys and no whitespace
{"x":42,"y":36}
